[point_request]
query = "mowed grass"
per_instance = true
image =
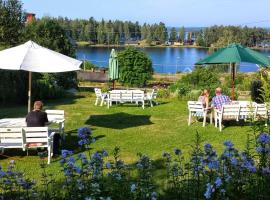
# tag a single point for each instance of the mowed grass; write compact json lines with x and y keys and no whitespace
{"x":150,"y":131}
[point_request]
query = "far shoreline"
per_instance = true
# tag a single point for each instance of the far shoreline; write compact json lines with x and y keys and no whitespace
{"x":83,"y":44}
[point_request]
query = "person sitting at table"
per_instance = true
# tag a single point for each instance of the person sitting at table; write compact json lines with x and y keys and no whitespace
{"x":38,"y":118}
{"x":204,"y":98}
{"x":219,"y":99}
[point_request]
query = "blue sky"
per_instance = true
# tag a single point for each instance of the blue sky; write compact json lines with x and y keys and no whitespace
{"x":171,"y":12}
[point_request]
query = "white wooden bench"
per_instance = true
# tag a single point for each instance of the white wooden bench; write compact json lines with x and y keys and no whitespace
{"x":247,"y":109}
{"x":197,"y":109}
{"x":261,"y":112}
{"x":36,"y":137}
{"x":227,"y":112}
{"x":57,"y":117}
{"x":125,"y":96}
{"x":12,"y":138}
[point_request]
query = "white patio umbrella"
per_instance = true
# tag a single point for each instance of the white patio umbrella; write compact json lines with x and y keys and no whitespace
{"x":34,"y":58}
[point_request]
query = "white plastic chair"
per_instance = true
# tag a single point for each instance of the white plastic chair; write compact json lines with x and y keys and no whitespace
{"x":100,"y":96}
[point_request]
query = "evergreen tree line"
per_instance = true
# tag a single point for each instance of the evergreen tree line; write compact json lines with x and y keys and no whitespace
{"x":219,"y":36}
{"x":118,"y":32}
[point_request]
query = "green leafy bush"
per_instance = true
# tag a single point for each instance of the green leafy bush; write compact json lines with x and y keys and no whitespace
{"x":87,"y":65}
{"x":183,"y":90}
{"x":256,"y":87}
{"x":242,"y":81}
{"x":46,"y":88}
{"x":163,"y":93}
{"x":201,"y":77}
{"x":135,"y":67}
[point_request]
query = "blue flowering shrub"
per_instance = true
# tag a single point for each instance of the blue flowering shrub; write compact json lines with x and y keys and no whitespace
{"x":233,"y":174}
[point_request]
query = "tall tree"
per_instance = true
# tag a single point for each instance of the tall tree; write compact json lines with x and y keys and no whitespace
{"x":101,"y":34}
{"x":173,"y":35}
{"x":182,"y":34}
{"x":11,"y":22}
{"x":126,"y":30}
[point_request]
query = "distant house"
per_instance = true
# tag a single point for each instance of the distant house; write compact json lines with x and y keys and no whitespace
{"x":178,"y":44}
{"x":131,"y":42}
{"x":168,"y":43}
{"x":156,"y":43}
{"x":30,"y":17}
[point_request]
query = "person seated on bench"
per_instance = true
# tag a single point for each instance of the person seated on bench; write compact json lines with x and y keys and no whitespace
{"x":219,"y":99}
{"x":204,"y":98}
{"x":38,"y":118}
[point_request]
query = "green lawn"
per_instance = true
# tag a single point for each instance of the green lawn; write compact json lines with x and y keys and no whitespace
{"x":150,"y":131}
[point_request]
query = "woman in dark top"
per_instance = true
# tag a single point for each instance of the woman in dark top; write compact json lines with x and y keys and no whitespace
{"x":37,"y":118}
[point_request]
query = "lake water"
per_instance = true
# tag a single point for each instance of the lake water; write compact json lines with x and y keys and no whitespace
{"x":165,"y":60}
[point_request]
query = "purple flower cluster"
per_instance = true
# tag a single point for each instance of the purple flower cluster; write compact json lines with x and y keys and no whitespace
{"x":85,"y":136}
{"x":264,"y":138}
{"x":263,"y":144}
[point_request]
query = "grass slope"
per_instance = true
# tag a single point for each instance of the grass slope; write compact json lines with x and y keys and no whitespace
{"x":150,"y":131}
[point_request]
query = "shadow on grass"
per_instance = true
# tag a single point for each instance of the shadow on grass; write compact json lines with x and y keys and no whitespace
{"x":13,"y":110}
{"x":119,"y":120}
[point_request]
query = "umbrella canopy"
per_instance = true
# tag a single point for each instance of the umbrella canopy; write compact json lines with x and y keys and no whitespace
{"x":235,"y":54}
{"x":113,"y":66}
{"x":34,"y":58}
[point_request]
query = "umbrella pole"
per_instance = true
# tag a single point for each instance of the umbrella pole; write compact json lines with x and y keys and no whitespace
{"x":29,"y":91}
{"x":233,"y":78}
{"x":113,"y":84}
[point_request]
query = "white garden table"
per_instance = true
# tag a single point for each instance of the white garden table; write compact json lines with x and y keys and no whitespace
{"x":20,"y":122}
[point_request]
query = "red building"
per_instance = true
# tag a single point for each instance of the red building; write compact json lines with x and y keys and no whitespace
{"x":30,"y":17}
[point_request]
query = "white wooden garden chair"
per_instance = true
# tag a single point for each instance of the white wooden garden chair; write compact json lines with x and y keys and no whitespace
{"x":151,"y":97}
{"x":196,"y":109}
{"x":100,"y":96}
{"x":38,"y":137}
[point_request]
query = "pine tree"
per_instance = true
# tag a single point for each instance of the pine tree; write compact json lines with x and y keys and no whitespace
{"x":182,"y":34}
{"x":173,"y":35}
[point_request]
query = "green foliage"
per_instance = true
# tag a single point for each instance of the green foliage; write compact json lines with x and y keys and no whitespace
{"x":256,"y":93}
{"x":45,"y":88}
{"x":265,"y":90}
{"x":163,"y":93}
{"x":135,"y":67}
{"x":201,"y":77}
{"x":173,"y":35}
{"x":219,"y":36}
{"x":242,"y":81}
{"x":182,"y":34}
{"x":13,"y":87}
{"x":87,"y":65}
{"x":181,"y":89}
{"x":11,"y":22}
